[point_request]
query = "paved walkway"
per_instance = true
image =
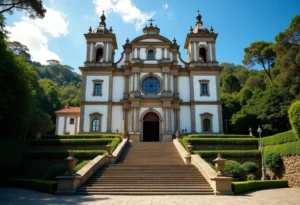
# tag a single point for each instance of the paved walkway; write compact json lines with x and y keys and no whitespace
{"x":287,"y":196}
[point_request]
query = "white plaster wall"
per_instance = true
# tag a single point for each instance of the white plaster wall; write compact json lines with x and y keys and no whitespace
{"x":70,"y":128}
{"x":118,"y":88}
{"x":212,"y":88}
{"x":212,"y":109}
{"x":185,"y":118}
{"x":89,"y":109}
{"x":143,"y":53}
{"x":181,"y":63}
{"x":171,"y":56}
{"x":122,"y":61}
{"x":172,"y":121}
{"x":150,"y":40}
{"x":150,"y":62}
{"x":171,"y":83}
{"x":184,"y":88}
{"x":90,"y":88}
{"x":202,"y":43}
{"x":158,"y":54}
{"x":61,"y":121}
{"x":78,"y":124}
{"x":117,"y":118}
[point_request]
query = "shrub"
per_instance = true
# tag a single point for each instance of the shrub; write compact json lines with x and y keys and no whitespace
{"x":61,"y":142}
{"x":250,"y":167}
{"x":54,"y":171}
{"x":235,"y":170}
{"x":250,"y":177}
{"x":220,"y":141}
{"x":80,"y":136}
{"x":80,"y":165}
{"x":218,"y":136}
{"x":294,"y":116}
{"x":39,"y":185}
{"x":54,"y":154}
{"x":228,"y":153}
{"x":273,"y":161}
{"x":287,"y":149}
{"x":280,"y":138}
{"x":241,"y":187}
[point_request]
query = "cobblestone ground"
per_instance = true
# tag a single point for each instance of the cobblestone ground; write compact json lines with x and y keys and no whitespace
{"x":287,"y":196}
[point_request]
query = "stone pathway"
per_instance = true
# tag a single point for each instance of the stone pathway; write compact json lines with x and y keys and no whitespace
{"x":287,"y":196}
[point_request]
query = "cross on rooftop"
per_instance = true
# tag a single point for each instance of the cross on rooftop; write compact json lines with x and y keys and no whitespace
{"x":151,"y":20}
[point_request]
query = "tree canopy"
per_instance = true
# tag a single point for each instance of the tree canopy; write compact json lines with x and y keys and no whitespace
{"x":34,"y":8}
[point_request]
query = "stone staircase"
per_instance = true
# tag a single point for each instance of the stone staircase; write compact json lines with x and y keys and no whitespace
{"x":147,"y":168}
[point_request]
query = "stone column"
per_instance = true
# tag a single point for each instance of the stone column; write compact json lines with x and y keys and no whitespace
{"x":138,"y":52}
{"x":213,"y":51}
{"x":164,"y":83}
{"x":169,"y":120}
{"x":132,"y":82}
{"x":127,"y":83}
{"x":131,"y":120}
{"x":124,"y":121}
{"x":104,"y":52}
{"x":169,"y":82}
{"x":88,"y":51}
{"x":165,"y":123}
{"x":163,"y":53}
{"x":178,"y":119}
{"x":137,"y":120}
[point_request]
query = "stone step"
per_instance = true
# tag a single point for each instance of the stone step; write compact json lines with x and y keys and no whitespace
{"x":146,"y":193}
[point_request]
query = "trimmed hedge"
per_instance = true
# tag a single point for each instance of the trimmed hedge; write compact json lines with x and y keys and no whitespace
{"x":287,"y":149}
{"x":218,"y":136}
{"x":54,"y":154}
{"x":35,"y":184}
{"x":294,"y":117}
{"x":85,"y":136}
{"x":82,"y":164}
{"x":55,"y":170}
{"x":235,"y":170}
{"x":220,"y":141}
{"x":61,"y":142}
{"x":280,"y":138}
{"x":246,"y":186}
{"x":227,"y":153}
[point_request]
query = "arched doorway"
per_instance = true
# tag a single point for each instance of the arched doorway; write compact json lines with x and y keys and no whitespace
{"x":151,"y":127}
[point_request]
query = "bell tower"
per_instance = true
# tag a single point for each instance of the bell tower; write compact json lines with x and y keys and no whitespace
{"x":200,"y":43}
{"x":101,"y":45}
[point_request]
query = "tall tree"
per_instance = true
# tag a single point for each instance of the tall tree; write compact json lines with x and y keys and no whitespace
{"x":19,"y":49}
{"x":35,"y":8}
{"x":231,"y":84}
{"x":261,"y":53}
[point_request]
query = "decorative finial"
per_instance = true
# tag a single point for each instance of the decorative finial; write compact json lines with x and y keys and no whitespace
{"x":103,"y":19}
{"x":191,"y":29}
{"x":110,"y":30}
{"x":90,"y":29}
{"x":198,"y":17}
{"x":151,"y":20}
{"x":211,"y":30}
{"x":174,"y":40}
{"x":127,"y":40}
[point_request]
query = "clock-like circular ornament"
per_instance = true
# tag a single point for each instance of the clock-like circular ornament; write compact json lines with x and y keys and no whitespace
{"x":151,"y":85}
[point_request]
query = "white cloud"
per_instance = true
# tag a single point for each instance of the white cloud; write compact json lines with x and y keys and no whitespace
{"x":32,"y":34}
{"x":87,"y":17}
{"x":170,"y":15}
{"x":126,"y":8}
{"x":165,"y":6}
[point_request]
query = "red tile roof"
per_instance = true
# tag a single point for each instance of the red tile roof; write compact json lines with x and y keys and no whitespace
{"x":68,"y":110}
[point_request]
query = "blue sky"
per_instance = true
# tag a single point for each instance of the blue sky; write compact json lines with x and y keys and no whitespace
{"x":238,"y":22}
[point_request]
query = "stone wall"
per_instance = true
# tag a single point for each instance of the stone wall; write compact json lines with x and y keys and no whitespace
{"x":290,"y":171}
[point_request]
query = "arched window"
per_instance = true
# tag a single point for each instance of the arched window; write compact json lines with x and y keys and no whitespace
{"x":95,"y":125}
{"x":95,"y":122}
{"x":206,"y":125}
{"x":99,"y":55}
{"x":202,"y":54}
{"x":151,"y":55}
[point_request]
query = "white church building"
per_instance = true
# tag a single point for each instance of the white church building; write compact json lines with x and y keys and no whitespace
{"x":150,"y":92}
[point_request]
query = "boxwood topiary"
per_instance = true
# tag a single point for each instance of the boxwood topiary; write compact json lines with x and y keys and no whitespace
{"x":250,"y":167}
{"x":294,"y":116}
{"x":235,"y":170}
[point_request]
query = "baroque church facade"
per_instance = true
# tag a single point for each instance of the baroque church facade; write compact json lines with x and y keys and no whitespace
{"x":150,"y":92}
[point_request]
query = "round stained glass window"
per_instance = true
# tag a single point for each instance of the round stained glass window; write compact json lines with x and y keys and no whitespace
{"x":151,"y":85}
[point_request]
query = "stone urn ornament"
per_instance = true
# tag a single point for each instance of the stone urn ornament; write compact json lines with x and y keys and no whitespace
{"x":71,"y":162}
{"x":177,"y":134}
{"x":108,"y":149}
{"x":190,"y":148}
{"x":220,"y":164}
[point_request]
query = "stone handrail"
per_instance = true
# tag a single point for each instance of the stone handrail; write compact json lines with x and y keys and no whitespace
{"x":69,"y":184}
{"x":220,"y":184}
{"x":182,"y":152}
